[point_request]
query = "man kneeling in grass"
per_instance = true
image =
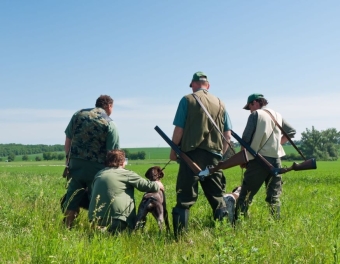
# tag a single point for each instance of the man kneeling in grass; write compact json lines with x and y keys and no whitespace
{"x":112,"y":204}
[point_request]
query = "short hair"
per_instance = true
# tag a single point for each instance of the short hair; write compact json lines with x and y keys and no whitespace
{"x":262,"y":101}
{"x":201,"y":83}
{"x":104,"y":101}
{"x":115,"y":158}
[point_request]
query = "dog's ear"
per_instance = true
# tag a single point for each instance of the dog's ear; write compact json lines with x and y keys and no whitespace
{"x":149,"y":174}
{"x":152,"y":174}
{"x":160,"y":172}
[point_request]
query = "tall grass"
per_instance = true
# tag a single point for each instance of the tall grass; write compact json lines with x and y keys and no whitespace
{"x":308,"y":232}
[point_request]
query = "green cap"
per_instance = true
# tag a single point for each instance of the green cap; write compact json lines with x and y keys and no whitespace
{"x":199,"y":76}
{"x":251,"y":98}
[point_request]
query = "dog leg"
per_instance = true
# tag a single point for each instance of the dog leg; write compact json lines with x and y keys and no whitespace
{"x":159,"y":215}
{"x":141,"y":216}
{"x":230,"y":203}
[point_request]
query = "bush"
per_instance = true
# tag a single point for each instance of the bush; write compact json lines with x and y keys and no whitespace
{"x":11,"y":157}
{"x":47,"y":155}
{"x":60,"y":156}
{"x":291,"y":156}
{"x":37,"y":158}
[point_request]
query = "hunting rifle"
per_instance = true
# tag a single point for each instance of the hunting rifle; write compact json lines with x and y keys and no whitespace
{"x":192,"y":165}
{"x":305,"y":165}
{"x":237,"y":159}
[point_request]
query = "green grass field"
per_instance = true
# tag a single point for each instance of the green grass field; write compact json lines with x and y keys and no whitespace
{"x":308,"y":232}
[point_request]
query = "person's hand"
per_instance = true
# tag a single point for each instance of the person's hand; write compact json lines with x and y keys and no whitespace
{"x":205,"y":172}
{"x":161,"y":186}
{"x":173,"y":155}
{"x":243,"y":166}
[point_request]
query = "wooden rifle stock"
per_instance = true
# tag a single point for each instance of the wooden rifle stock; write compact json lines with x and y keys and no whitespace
{"x":192,"y":165}
{"x":237,"y":159}
{"x":309,"y":164}
{"x":258,"y":157}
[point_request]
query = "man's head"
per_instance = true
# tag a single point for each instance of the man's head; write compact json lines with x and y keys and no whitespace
{"x":115,"y":158}
{"x":105,"y":102}
{"x":255,"y":101}
{"x":199,"y":80}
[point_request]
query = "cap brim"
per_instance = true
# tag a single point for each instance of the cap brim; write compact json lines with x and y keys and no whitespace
{"x":246,"y":107}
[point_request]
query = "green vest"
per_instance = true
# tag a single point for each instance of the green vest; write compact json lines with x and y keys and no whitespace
{"x":199,"y":132}
{"x":90,"y":128}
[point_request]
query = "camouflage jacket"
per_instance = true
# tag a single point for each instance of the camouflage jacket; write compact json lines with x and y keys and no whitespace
{"x":90,"y":128}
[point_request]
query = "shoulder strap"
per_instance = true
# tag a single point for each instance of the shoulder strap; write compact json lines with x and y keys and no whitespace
{"x":284,"y":133}
{"x":212,"y":121}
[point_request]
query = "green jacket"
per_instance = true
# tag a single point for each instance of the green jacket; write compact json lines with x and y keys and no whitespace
{"x":113,"y":195}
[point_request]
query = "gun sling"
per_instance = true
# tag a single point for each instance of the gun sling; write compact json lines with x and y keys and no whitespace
{"x":284,"y":133}
{"x":212,"y":121}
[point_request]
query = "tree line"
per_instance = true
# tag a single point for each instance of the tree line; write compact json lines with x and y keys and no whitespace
{"x":140,"y":155}
{"x":20,"y":149}
{"x":322,"y":145}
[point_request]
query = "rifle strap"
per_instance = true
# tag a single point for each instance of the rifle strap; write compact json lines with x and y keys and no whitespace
{"x":212,"y":120}
{"x":285,"y":134}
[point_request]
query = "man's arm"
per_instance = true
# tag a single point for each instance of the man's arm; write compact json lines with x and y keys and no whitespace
{"x":179,"y":123}
{"x":67,"y":145}
{"x":227,"y":135}
{"x":69,"y":132}
{"x":176,"y":138}
{"x":249,"y":130}
{"x":226,"y":131}
{"x":289,"y":130}
{"x":112,"y":137}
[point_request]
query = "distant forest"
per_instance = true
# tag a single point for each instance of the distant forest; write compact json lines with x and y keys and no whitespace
{"x":20,"y":149}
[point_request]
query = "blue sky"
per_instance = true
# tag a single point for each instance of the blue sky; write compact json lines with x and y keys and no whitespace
{"x":57,"y":57}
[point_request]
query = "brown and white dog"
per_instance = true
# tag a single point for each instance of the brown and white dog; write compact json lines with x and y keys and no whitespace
{"x":154,"y":203}
{"x":230,"y":200}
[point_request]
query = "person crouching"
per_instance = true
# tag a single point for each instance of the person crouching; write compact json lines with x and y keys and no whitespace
{"x":112,"y":203}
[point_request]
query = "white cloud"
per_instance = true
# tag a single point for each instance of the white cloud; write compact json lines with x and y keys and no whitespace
{"x":136,"y":119}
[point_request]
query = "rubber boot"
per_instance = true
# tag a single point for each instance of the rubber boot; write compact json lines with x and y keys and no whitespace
{"x":180,"y":218}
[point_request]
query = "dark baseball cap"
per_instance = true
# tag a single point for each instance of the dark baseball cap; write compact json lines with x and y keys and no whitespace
{"x":199,"y":76}
{"x":251,"y":98}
